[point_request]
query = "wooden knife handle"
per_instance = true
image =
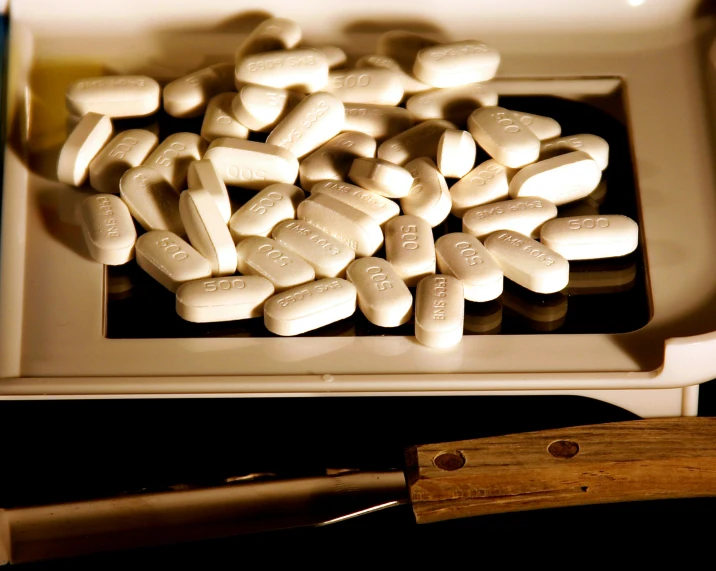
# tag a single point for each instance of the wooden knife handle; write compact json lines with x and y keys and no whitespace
{"x":604,"y":463}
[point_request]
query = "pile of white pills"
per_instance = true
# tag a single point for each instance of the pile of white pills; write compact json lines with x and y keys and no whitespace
{"x":354,"y":163}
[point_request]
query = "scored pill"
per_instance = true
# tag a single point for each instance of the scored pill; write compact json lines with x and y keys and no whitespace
{"x":451,"y":103}
{"x":174,"y":155}
{"x":303,"y":70}
{"x":542,"y":127}
{"x":523,"y":215}
{"x":86,"y":140}
{"x":409,"y":247}
{"x":378,"y":121}
{"x":258,"y":255}
{"x":383,"y":297}
{"x":268,"y":207}
{"x":429,"y":197}
{"x":219,"y":120}
{"x":503,"y":137}
{"x":594,"y":146}
{"x":366,"y":85}
{"x":419,"y":141}
{"x":456,"y":153}
{"x":333,"y":160}
{"x":260,"y":108}
{"x":383,"y":177}
{"x":108,"y":229}
{"x":114,"y":96}
{"x":487,"y":182}
{"x":151,"y":200}
{"x":458,"y":63}
{"x":188,"y":96}
{"x":270,"y":35}
{"x":126,"y":150}
{"x":202,"y":174}
{"x":591,"y":237}
{"x":378,"y":207}
{"x":439,"y":311}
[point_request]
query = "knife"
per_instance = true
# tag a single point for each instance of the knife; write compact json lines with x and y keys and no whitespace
{"x":603,"y":463}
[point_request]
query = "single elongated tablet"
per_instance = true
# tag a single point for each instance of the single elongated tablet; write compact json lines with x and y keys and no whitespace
{"x":219,"y":120}
{"x":429,"y":197}
{"x":270,"y":35}
{"x":303,"y":70}
{"x":174,"y":155}
{"x":108,"y":229}
{"x":456,"y":153}
{"x":126,"y":150}
{"x":458,"y":63}
{"x":335,"y":56}
{"x":188,"y":96}
{"x":250,"y":164}
{"x":383,"y":177}
{"x":503,"y":137}
{"x":366,"y":85}
{"x":333,"y":160}
{"x":523,"y":215}
{"x":451,"y":103}
{"x":265,"y":257}
{"x":419,"y":141}
{"x":542,"y":127}
{"x":264,"y":210}
{"x":210,"y":300}
{"x":315,"y":120}
{"x":487,"y":182}
{"x":86,"y":140}
{"x":378,"y":121}
{"x":260,"y":107}
{"x":561,"y":179}
{"x":328,"y":255}
{"x":203,"y":174}
{"x":383,"y":297}
{"x":207,"y":230}
{"x":464,"y":256}
{"x":527,"y":262}
{"x":403,"y":46}
{"x":591,"y":237}
{"x":439,"y":311}
{"x":409,"y":247}
{"x":170,"y":260}
{"x":114,"y":96}
{"x":310,"y":306}
{"x":151,"y":200}
{"x":594,"y":146}
{"x":378,"y":207}
{"x":409,"y":83}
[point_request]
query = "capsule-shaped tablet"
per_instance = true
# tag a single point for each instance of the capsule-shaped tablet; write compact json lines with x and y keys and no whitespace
{"x":333,"y":160}
{"x":310,"y":306}
{"x":260,"y":108}
{"x":351,"y":226}
{"x":594,"y":146}
{"x":487,"y":182}
{"x":383,"y":177}
{"x":456,"y":153}
{"x":378,"y":121}
{"x":408,"y":82}
{"x":503,"y":137}
{"x":419,"y":141}
{"x":126,"y":150}
{"x":114,"y":96}
{"x":207,"y":230}
{"x":250,"y":164}
{"x":403,"y":46}
{"x":542,"y":127}
{"x":458,"y":63}
{"x":335,"y":56}
{"x":108,"y":229}
{"x":151,"y":200}
{"x":561,"y":179}
{"x":383,"y":297}
{"x":452,"y":103}
{"x":315,"y":120}
{"x":265,"y":257}
{"x":463,"y":256}
{"x":523,"y":215}
{"x":203,"y":174}
{"x":303,"y":70}
{"x":429,"y":197}
{"x":270,"y":35}
{"x":211,"y":300}
{"x":527,"y":262}
{"x":366,"y":85}
{"x":378,"y":207}
{"x":174,"y":155}
{"x":219,"y":120}
{"x":439,"y":311}
{"x":188,"y":96}
{"x":86,"y":140}
{"x":409,"y":247}
{"x":170,"y":260}
{"x":328,"y":256}
{"x":259,"y":215}
{"x":591,"y":237}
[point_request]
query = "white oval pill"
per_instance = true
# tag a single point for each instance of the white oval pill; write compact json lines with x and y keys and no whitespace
{"x":591,"y":237}
{"x":527,"y":262}
{"x":383,"y":297}
{"x":503,"y":137}
{"x":463,"y":256}
{"x":403,"y":46}
{"x":351,"y":226}
{"x":260,"y":108}
{"x":315,"y":120}
{"x":219,"y":120}
{"x":151,"y":200}
{"x":458,"y":63}
{"x":328,"y":256}
{"x":594,"y":146}
{"x":561,"y":179}
{"x":114,"y":96}
{"x":303,"y":70}
{"x":439,"y":311}
{"x":333,"y":160}
{"x":264,"y":210}
{"x":542,"y":127}
{"x":174,"y":155}
{"x":487,"y":182}
{"x":86,"y":140}
{"x":108,"y":229}
{"x":366,"y":85}
{"x":456,"y":153}
{"x":383,"y":177}
{"x":270,"y":35}
{"x":126,"y":150}
{"x":188,"y":96}
{"x":409,"y":247}
{"x":409,"y":83}
{"x":429,"y":197}
{"x":378,"y":207}
{"x":265,"y":257}
{"x":419,"y":141}
{"x":523,"y":215}
{"x":203,"y":174}
{"x":170,"y":260}
{"x":210,"y":300}
{"x":310,"y":306}
{"x":250,"y":164}
{"x":335,"y":56}
{"x":378,"y":121}
{"x":452,"y":103}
